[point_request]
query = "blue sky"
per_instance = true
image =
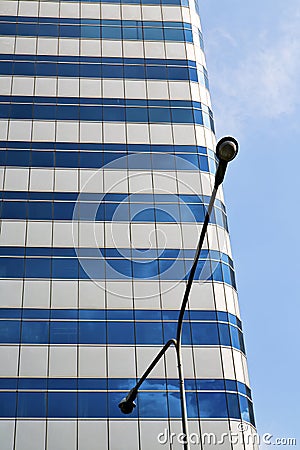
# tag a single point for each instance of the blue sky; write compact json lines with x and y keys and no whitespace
{"x":253,"y":57}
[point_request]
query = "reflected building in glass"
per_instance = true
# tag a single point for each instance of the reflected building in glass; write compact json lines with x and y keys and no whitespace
{"x":107,"y":166}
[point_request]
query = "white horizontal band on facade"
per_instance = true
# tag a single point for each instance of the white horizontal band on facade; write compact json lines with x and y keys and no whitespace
{"x":88,"y":433}
{"x":111,"y":88}
{"x":115,"y":234}
{"x":107,"y":132}
{"x":108,"y":180}
{"x":117,"y":294}
{"x":102,"y":48}
{"x":98,"y":11}
{"x":62,"y":361}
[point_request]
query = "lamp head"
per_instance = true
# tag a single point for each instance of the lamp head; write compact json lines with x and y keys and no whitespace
{"x":126,"y":406}
{"x":227,"y":149}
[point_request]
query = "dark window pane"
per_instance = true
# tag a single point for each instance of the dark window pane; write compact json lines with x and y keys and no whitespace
{"x":35,"y":332}
{"x":92,"y":404}
{"x":9,"y":331}
{"x":63,"y":332}
{"x":62,"y":404}
{"x":149,"y":333}
{"x":212,"y":405}
{"x":31,"y":404}
{"x":92,"y":333}
{"x":7,"y":404}
{"x":120,"y":332}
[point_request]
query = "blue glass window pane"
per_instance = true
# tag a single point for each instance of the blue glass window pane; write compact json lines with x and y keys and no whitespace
{"x":132,"y":33}
{"x":136,"y":114}
{"x":13,"y":210}
{"x":69,"y":31}
{"x":204,"y":163}
{"x":153,"y":34}
{"x":120,"y":332}
{"x":153,"y":404}
{"x":196,"y":211}
{"x":92,"y":333}
{"x":121,"y":384}
{"x":145,"y":270}
{"x":27,"y":29}
{"x":142,"y":213}
{"x":172,"y":270}
{"x":39,"y":210}
{"x":205,"y":333}
{"x":38,"y":268}
{"x":67,"y":70}
{"x":92,"y":383}
{"x":182,"y":115}
{"x":31,"y":404}
{"x":209,"y":385}
{"x":62,"y":383}
{"x":34,"y":332}
{"x":92,"y":404}
{"x":66,"y":159}
{"x":6,"y":67}
{"x":233,"y":406}
{"x":32,"y":383}
{"x":186,"y":334}
{"x":174,"y":405}
{"x":111,"y":33}
{"x":161,"y":161}
{"x":149,"y":333}
{"x":169,"y":330}
{"x":62,"y":404}
{"x":47,"y":29}
{"x":134,"y":72}
{"x":65,"y":268}
{"x":178,"y":73}
{"x":90,"y":70}
{"x":217,"y":273}
{"x":174,"y":34}
{"x":90,"y":32}
{"x":192,"y":405}
{"x":224,"y":334}
{"x":40,"y":159}
{"x":43,"y":69}
{"x":7,"y":404}
{"x":44,"y":112}
{"x":159,"y":115}
{"x":91,"y":160}
{"x":156,"y":72}
{"x":64,"y":112}
{"x":11,"y":267}
{"x":115,"y":114}
{"x":234,"y":332}
{"x":231,"y":385}
{"x":188,"y":35}
{"x":18,"y":158}
{"x":212,"y":405}
{"x":63,"y":332}
{"x":242,"y":388}
{"x":244,"y":405}
{"x":9,"y":331}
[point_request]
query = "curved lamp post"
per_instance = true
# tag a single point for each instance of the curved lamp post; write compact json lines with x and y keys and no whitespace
{"x":226,"y":150}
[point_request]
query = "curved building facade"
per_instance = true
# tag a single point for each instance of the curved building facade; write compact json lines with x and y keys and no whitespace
{"x":107,"y":167}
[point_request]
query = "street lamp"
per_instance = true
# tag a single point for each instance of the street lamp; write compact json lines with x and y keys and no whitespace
{"x":226,"y":150}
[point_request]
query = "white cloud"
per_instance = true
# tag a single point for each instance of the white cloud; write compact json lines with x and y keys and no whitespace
{"x":261,"y":79}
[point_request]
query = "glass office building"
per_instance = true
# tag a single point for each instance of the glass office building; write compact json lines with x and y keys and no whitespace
{"x":107,"y":165}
